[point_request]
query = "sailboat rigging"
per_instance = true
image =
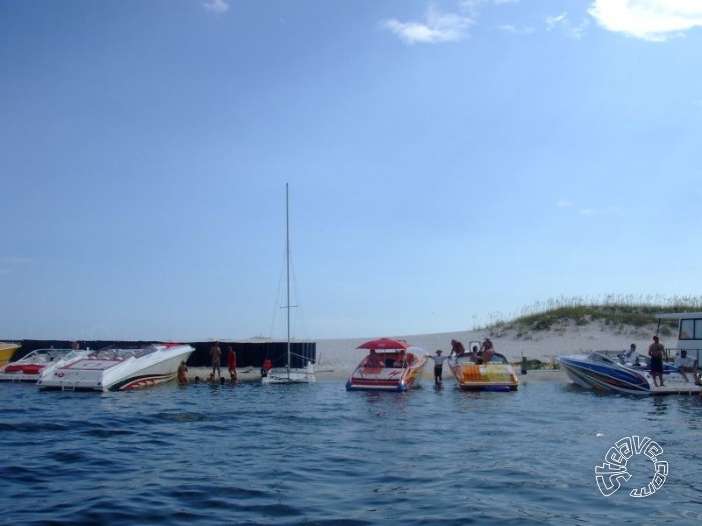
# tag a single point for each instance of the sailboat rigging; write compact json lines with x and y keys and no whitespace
{"x":288,"y":374}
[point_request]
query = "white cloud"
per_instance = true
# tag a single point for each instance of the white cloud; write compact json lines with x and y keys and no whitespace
{"x":217,"y":6}
{"x":563,"y":24}
{"x":654,"y":20}
{"x":438,"y":27}
{"x":564,"y":203}
{"x":514,"y":30}
{"x":607,"y":211}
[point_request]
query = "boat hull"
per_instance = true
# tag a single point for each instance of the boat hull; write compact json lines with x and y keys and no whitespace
{"x":493,"y":376}
{"x":603,"y":374}
{"x":388,"y":377}
{"x":29,"y":368}
{"x":288,"y":375}
{"x":6,"y":352}
{"x":118,"y":372}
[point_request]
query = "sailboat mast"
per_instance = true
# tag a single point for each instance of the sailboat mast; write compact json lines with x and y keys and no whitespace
{"x":287,"y":267}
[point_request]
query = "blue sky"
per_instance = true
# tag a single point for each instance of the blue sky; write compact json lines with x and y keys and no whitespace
{"x":449,"y":162}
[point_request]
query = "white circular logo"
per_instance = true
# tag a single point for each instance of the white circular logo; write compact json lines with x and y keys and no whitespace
{"x":609,"y":474}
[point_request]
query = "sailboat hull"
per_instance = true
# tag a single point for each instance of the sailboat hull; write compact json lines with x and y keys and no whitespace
{"x":285,"y":375}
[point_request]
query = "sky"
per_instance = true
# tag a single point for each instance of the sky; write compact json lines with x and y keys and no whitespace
{"x":449,"y":163}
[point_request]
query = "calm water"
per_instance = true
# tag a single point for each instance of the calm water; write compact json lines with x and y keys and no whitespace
{"x":252,"y":454}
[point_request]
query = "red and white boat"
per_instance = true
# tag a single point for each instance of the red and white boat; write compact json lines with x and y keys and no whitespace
{"x":391,"y":365}
{"x":117,"y":369}
{"x":29,"y":367}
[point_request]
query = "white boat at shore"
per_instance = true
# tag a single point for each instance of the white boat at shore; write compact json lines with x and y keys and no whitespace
{"x":601,"y":372}
{"x":287,"y":374}
{"x":116,"y":369}
{"x":29,"y":367}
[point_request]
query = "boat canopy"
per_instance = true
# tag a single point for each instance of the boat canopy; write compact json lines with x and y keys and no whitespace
{"x":679,"y":315}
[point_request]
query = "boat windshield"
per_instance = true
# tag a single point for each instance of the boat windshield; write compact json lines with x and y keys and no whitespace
{"x":110,"y":353}
{"x":595,"y":357}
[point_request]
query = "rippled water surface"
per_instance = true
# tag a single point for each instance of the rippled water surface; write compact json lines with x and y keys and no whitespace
{"x":204,"y":454}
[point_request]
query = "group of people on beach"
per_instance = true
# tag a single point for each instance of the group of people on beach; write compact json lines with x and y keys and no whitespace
{"x":216,"y":359}
{"x":657,"y":354}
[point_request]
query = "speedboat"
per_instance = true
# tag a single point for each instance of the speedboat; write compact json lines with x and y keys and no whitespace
{"x":391,"y":365}
{"x":117,"y":369}
{"x":600,"y":372}
{"x":496,"y":375}
{"x":6,"y":351}
{"x":29,"y":367}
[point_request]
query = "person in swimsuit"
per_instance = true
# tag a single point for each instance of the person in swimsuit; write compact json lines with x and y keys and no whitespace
{"x":182,"y":373}
{"x":231,"y":363}
{"x":216,"y":355}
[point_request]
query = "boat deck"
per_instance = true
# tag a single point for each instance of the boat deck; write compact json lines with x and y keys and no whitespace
{"x":688,"y":388}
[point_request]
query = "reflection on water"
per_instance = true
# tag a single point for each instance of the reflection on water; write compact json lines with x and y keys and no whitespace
{"x":317,"y":453}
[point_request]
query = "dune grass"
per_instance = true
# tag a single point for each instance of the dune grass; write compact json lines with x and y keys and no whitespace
{"x":618,"y":311}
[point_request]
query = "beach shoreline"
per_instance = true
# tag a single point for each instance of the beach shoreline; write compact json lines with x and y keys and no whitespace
{"x":249,"y":375}
{"x":336,"y":359}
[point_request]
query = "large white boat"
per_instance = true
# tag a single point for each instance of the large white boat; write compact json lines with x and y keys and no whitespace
{"x":605,"y":373}
{"x":391,"y":365}
{"x":116,"y":369}
{"x":287,"y":374}
{"x":29,"y":367}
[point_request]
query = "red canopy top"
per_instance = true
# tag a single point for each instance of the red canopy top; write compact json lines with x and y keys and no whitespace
{"x":384,"y":343}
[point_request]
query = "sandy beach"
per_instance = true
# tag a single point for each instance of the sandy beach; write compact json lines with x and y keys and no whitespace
{"x":336,"y":359}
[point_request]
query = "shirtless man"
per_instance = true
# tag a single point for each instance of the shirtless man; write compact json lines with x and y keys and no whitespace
{"x":656,"y":352}
{"x":182,"y":373}
{"x":487,"y":350}
{"x":216,"y":354}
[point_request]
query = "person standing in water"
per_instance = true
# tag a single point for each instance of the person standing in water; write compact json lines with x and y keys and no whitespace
{"x":216,"y":355}
{"x":182,"y":373}
{"x":231,"y":363}
{"x":438,"y":367}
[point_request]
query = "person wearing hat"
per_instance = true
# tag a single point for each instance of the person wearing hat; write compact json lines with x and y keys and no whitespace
{"x":656,"y":351}
{"x":438,"y":367}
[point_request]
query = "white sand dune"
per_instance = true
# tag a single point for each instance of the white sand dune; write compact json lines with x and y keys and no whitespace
{"x":535,"y":345}
{"x":338,"y":358}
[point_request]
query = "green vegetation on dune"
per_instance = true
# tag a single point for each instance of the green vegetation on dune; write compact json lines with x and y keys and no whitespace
{"x":616,"y":311}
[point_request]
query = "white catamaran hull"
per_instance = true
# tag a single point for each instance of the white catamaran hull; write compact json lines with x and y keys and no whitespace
{"x":285,"y":375}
